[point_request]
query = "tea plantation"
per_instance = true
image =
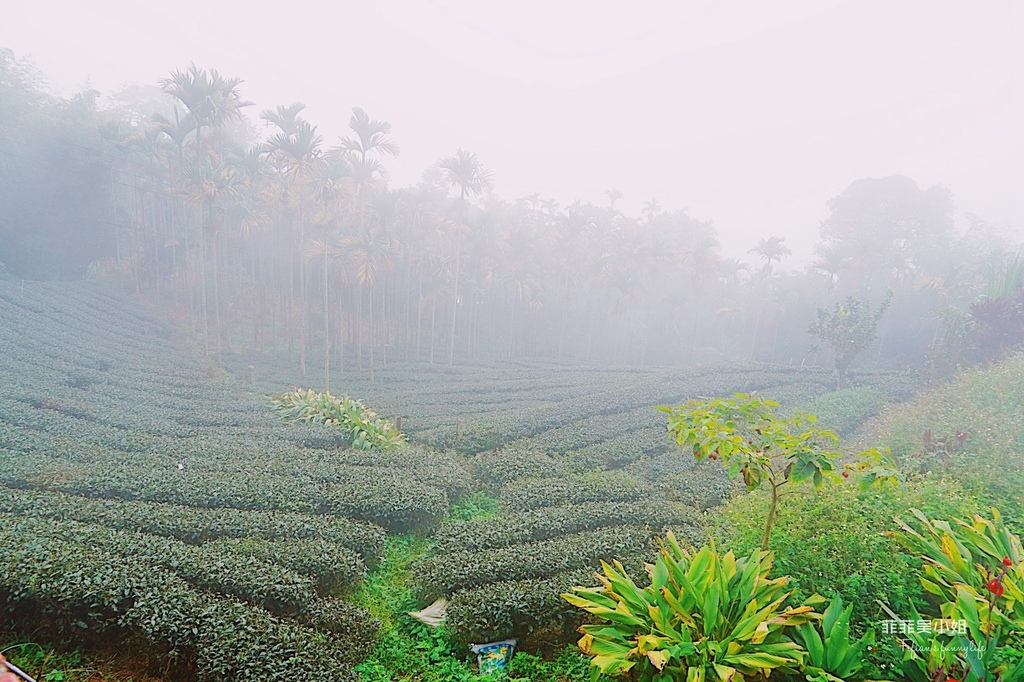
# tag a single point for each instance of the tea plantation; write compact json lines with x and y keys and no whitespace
{"x":145,"y":496}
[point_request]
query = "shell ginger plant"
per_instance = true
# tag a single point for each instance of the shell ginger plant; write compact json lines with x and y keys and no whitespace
{"x":974,"y":572}
{"x":705,"y":616}
{"x":363,"y":427}
{"x":752,"y":441}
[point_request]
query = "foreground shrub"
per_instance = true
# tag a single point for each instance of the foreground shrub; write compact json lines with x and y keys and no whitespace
{"x":831,"y":656}
{"x":765,"y":449}
{"x":705,"y":616}
{"x":983,"y":405}
{"x":836,"y":541}
{"x":975,"y":571}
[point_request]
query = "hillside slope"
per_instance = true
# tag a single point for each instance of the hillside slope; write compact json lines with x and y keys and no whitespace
{"x":971,"y":429}
{"x":141,"y":498}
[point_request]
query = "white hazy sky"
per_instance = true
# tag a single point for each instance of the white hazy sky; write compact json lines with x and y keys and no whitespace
{"x":749,"y":113}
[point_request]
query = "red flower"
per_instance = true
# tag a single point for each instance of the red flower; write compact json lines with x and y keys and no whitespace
{"x":995,"y":586}
{"x":1006,"y":561}
{"x":952,"y":679}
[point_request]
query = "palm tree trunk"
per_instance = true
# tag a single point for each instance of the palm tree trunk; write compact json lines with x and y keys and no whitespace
{"x":304,"y":317}
{"x":371,"y":339}
{"x":455,"y":299}
{"x":202,"y":285}
{"x":433,"y":318}
{"x":218,"y":324}
{"x":455,"y":288}
{"x":384,"y":321}
{"x":359,"y":330}
{"x":511,"y":328}
{"x":327,"y":325}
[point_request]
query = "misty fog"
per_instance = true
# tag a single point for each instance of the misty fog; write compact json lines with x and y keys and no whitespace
{"x":493,"y":237}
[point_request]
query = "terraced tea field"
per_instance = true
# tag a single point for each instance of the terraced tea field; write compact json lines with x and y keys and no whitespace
{"x":146,"y":496}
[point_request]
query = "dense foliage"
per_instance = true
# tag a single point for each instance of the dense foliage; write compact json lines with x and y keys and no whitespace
{"x":703,"y":616}
{"x":767,"y":449}
{"x":975,"y":570}
{"x":268,"y":236}
{"x":115,"y":443}
{"x":968,"y":429}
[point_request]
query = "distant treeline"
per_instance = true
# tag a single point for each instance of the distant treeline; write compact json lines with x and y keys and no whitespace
{"x":270,"y":238}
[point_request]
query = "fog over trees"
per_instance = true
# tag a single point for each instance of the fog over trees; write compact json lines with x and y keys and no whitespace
{"x":265,"y":235}
{"x":349,"y":340}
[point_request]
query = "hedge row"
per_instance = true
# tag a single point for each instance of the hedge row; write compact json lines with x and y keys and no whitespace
{"x":599,"y":429}
{"x":477,"y":535}
{"x":487,"y":430}
{"x":532,"y":611}
{"x":674,"y":475}
{"x":331,"y":566}
{"x":608,"y":487}
{"x":517,"y":608}
{"x":217,"y":637}
{"x":196,"y":525}
{"x":390,"y":498}
{"x":443,"y":575}
{"x":206,"y":567}
{"x":514,"y":462}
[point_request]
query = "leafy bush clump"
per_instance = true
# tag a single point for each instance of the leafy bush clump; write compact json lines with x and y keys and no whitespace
{"x":364,"y":428}
{"x":975,"y":571}
{"x":704,"y":616}
{"x":835,"y":540}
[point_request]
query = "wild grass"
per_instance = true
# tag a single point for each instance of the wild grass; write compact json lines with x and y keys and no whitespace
{"x":986,"y":407}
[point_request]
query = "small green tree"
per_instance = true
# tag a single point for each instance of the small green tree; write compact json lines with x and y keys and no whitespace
{"x":849,"y":329}
{"x":752,"y":441}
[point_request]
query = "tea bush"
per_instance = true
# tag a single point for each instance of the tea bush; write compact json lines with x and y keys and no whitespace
{"x":550,"y":492}
{"x":550,"y":522}
{"x":216,"y":636}
{"x":443,"y":575}
{"x":196,"y":525}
